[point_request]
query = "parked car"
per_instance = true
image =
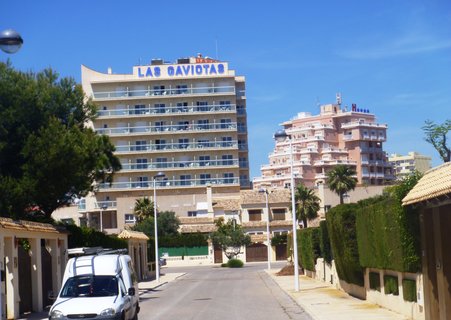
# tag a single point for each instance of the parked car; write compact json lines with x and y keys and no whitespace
{"x":98,"y":286}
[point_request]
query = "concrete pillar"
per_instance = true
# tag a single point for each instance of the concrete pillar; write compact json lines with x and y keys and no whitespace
{"x":36,"y":273}
{"x":56,"y":269}
{"x":12,"y":278}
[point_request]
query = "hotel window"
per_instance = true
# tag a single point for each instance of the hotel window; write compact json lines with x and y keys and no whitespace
{"x":205,"y":178}
{"x":202,"y":105}
{"x":278,"y":214}
{"x":192,"y":213}
{"x":255,"y":215}
{"x":227,"y":160}
{"x":159,"y":125}
{"x":202,"y":124}
{"x":203,"y":143}
{"x":143,"y":182}
{"x":225,"y":123}
{"x":130,"y":218}
{"x":161,"y":162}
{"x":160,"y":107}
{"x":226,"y":142}
{"x":141,"y":163}
{"x":183,"y":143}
{"x":160,"y":144}
{"x":224,"y":105}
{"x":140,"y":145}
{"x":240,"y":110}
{"x":182,"y":106}
{"x":204,"y":161}
{"x":182,"y":89}
{"x":183,"y":125}
{"x":140,"y":109}
{"x":185,"y":179}
{"x":228,"y":177}
{"x":158,"y":90}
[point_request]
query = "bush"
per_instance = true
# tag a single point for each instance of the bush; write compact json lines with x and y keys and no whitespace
{"x":391,"y":285}
{"x":88,"y":237}
{"x":375,"y":281}
{"x":341,"y":226}
{"x":324,"y":242}
{"x":235,"y":263}
{"x":409,"y":290}
{"x":309,"y":248}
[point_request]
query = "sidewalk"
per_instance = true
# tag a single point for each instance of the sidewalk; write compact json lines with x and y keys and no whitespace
{"x":324,"y":302}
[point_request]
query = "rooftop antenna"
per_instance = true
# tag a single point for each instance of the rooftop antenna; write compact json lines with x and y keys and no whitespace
{"x":338,"y":98}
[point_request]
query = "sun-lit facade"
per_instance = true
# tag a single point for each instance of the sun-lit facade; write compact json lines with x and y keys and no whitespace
{"x":186,"y":119}
{"x":320,"y":142}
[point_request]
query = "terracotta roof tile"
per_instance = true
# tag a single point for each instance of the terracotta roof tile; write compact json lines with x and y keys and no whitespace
{"x":129,"y":234}
{"x":203,"y":228}
{"x":195,"y":220}
{"x":435,"y":183}
{"x":8,"y":223}
{"x":275,"y":196}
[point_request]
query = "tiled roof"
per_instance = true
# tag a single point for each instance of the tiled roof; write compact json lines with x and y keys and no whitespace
{"x":435,"y":183}
{"x":275,"y":196}
{"x":129,"y":234}
{"x":24,"y":225}
{"x":231,"y":204}
{"x":195,"y":220}
{"x":203,"y":228}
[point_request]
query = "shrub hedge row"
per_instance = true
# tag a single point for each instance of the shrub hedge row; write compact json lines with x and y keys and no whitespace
{"x":409,"y":290}
{"x":391,"y":285}
{"x":309,"y":247}
{"x":341,"y":226}
{"x":183,"y":240}
{"x":88,"y":237}
{"x":324,"y":242}
{"x":387,"y":236}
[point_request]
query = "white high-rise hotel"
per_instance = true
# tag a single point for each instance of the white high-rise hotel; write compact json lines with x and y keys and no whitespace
{"x":185,"y":119}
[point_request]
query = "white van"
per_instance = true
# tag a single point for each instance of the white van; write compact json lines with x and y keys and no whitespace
{"x":101,"y":285}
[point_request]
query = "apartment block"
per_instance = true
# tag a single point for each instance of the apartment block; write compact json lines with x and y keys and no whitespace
{"x":185,"y":121}
{"x":320,"y":142}
{"x":406,"y":164}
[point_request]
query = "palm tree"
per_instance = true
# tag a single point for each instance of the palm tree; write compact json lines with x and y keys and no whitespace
{"x":341,"y":180}
{"x":143,"y":208}
{"x":307,"y":204}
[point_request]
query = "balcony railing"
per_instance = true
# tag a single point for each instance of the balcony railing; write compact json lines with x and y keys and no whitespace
{"x":354,"y":124}
{"x":169,"y":183}
{"x":168,"y":128}
{"x":148,"y":110}
{"x":164,"y":92}
{"x":178,"y":146}
{"x":105,"y":204}
{"x":181,"y":164}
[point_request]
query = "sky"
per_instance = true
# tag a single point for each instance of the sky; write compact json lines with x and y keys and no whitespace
{"x":392,"y":57}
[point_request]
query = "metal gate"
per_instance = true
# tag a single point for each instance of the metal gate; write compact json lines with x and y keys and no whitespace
{"x":281,"y":252}
{"x":25,"y":292}
{"x":256,"y":252}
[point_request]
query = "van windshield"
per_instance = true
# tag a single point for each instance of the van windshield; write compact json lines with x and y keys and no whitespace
{"x":90,"y":286}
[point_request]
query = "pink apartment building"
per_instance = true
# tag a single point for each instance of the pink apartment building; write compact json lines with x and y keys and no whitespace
{"x":319,"y":142}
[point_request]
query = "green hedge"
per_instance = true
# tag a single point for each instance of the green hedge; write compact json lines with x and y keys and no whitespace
{"x":308,"y":247}
{"x":391,"y":285}
{"x":375,"y":281}
{"x":324,"y":242}
{"x":341,"y":226}
{"x":88,"y":237}
{"x":183,"y":240}
{"x":235,"y":263}
{"x":409,"y":290}
{"x":387,"y":235}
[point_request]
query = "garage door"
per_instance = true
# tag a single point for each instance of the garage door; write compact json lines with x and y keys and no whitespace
{"x":256,"y":252}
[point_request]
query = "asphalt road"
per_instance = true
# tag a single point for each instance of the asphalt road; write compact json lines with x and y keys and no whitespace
{"x":212,"y":292}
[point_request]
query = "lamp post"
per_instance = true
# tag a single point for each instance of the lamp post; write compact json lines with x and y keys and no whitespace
{"x":10,"y":41}
{"x":157,"y":258}
{"x":268,"y":240}
{"x":281,"y":136}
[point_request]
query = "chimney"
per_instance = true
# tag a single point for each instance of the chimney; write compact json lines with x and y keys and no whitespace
{"x":209,"y":200}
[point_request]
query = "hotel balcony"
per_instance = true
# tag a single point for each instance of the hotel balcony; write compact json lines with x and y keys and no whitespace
{"x":133,"y":112}
{"x":164,"y":92}
{"x":285,"y":165}
{"x":168,"y":184}
{"x":334,"y":162}
{"x":333,"y":150}
{"x":357,"y":124}
{"x":183,"y":165}
{"x":169,"y":129}
{"x":176,"y":146}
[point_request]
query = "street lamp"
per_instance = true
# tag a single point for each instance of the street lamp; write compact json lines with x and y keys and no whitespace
{"x":10,"y":41}
{"x":281,"y":136}
{"x":265,"y":191}
{"x":157,"y":258}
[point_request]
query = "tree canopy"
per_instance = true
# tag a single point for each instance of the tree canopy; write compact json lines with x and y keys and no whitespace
{"x":437,"y":136}
{"x":341,"y":180}
{"x":143,"y":209}
{"x":230,"y":237}
{"x":167,"y":223}
{"x":48,"y":154}
{"x":307,"y":204}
